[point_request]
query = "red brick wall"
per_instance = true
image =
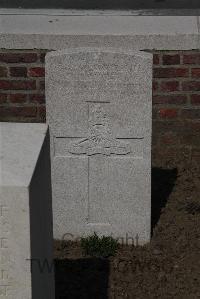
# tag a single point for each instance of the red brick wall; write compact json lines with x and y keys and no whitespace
{"x":22,"y":94}
{"x":176,"y":98}
{"x":176,"y":105}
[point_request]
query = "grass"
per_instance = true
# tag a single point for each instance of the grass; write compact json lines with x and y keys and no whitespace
{"x":94,"y":245}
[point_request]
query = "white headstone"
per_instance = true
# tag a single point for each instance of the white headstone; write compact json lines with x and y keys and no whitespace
{"x":25,"y":213}
{"x":99,"y":112}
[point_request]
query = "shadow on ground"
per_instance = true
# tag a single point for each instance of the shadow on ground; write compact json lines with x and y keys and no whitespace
{"x":88,"y":278}
{"x":163,"y":181}
{"x":82,"y":278}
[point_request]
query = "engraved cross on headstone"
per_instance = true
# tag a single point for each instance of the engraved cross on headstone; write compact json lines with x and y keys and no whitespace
{"x":99,"y":146}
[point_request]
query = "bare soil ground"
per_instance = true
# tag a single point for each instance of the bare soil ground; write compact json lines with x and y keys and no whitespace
{"x":168,"y":267}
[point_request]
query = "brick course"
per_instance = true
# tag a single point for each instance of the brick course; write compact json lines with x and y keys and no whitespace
{"x":22,"y":96}
{"x":176,"y":105}
{"x":176,"y":97}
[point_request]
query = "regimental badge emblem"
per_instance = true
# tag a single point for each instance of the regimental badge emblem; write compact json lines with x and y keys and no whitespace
{"x":100,"y":139}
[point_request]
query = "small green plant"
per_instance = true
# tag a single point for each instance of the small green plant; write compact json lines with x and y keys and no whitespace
{"x":99,"y":246}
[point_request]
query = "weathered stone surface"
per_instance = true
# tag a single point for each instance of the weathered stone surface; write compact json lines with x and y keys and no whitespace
{"x":25,"y":212}
{"x":99,"y":112}
{"x":120,"y":29}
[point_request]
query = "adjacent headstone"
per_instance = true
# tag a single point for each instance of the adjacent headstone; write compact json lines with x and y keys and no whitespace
{"x":99,"y":112}
{"x":26,"y":265}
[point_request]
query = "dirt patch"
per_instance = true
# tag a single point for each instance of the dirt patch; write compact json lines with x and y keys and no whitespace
{"x":168,"y":267}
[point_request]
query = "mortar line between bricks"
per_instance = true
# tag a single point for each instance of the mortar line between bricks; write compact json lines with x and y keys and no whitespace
{"x":171,"y":52}
{"x":181,"y":60}
{"x":175,"y":79}
{"x":179,"y":121}
{"x":190,"y":72}
{"x":10,"y":79}
{"x":179,"y":80}
{"x":180,"y":66}
{"x":31,"y":50}
{"x":22,"y":91}
{"x":168,"y":94}
{"x":188,"y":99}
{"x":177,"y":92}
{"x":173,"y":107}
{"x":25,"y":64}
{"x":171,"y":94}
{"x":38,"y":80}
{"x":22,"y":64}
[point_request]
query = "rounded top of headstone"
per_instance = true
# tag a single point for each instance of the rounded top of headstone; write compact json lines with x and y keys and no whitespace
{"x":98,"y":51}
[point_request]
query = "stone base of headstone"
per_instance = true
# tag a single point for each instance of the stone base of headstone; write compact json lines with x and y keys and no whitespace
{"x":26,"y":242}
